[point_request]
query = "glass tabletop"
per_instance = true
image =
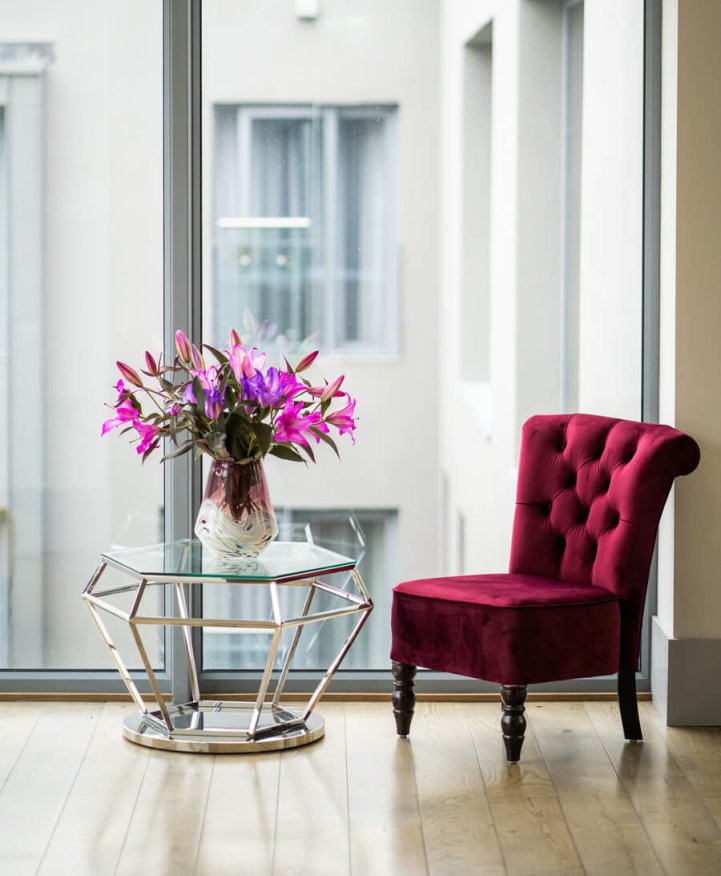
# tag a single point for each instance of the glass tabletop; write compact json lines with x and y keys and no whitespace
{"x":281,"y":560}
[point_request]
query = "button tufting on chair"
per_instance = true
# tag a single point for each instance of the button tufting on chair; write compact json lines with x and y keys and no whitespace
{"x":571,"y":604}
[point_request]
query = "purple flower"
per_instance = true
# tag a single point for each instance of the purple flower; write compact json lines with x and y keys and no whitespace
{"x":189,"y":395}
{"x":272,"y":389}
{"x":214,"y":403}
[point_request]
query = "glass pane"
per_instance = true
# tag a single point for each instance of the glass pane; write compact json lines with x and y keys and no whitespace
{"x":80,"y":286}
{"x":458,"y":228}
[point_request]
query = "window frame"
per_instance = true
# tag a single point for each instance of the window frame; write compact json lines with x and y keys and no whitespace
{"x":183,"y":309}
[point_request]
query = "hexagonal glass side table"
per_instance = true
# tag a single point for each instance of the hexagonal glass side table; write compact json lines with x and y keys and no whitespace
{"x":288,"y":575}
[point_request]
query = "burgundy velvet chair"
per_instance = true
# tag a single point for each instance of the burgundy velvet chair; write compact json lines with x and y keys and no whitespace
{"x":589,"y":497}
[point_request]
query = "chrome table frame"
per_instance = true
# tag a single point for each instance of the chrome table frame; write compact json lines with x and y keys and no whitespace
{"x":216,"y":726}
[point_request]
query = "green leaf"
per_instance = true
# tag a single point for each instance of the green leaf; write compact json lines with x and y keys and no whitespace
{"x":221,"y":357}
{"x":263,"y":435}
{"x":308,"y":449}
{"x":326,"y":439}
{"x":177,"y":453}
{"x":284,"y":451}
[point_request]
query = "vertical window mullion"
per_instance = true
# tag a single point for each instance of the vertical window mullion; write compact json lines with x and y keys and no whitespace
{"x":182,"y":260}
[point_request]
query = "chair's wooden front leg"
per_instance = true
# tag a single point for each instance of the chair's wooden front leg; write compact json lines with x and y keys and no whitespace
{"x":404,"y":698}
{"x":513,"y":722}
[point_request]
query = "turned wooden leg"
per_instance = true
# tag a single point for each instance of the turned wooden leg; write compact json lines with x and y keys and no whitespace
{"x":404,"y":699}
{"x":628,"y":704}
{"x":513,"y":722}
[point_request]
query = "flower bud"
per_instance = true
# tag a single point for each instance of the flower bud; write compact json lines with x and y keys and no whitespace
{"x":182,"y":344}
{"x":332,"y":388}
{"x":130,"y":374}
{"x":234,"y":339}
{"x":197,"y":358}
{"x":150,"y":363}
{"x":306,"y":362}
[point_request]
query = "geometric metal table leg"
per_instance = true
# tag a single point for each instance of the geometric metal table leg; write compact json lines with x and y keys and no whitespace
{"x":293,"y":646}
{"x":188,"y":640}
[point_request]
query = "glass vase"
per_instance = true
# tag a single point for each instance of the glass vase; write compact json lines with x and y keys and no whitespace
{"x":236,"y":518}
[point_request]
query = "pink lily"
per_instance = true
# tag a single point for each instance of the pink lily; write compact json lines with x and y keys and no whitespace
{"x":124,"y":413}
{"x":234,"y":339}
{"x":245,"y":362}
{"x":291,"y":424}
{"x":147,"y":433}
{"x":343,"y":419}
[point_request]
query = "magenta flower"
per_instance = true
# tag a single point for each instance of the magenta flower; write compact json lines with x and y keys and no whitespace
{"x":292,"y":424}
{"x":182,"y":345}
{"x":124,"y":413}
{"x":147,"y":433}
{"x":343,"y":419}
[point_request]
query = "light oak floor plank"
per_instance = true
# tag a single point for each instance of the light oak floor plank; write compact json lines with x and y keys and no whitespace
{"x":37,"y":788}
{"x":17,"y":721}
{"x":458,"y":829}
{"x":605,"y":827}
{"x":238,"y":833}
{"x":531,"y":827}
{"x":90,"y":831}
{"x":684,"y":834}
{"x":386,"y":835}
{"x":164,"y":830}
{"x":311,"y":831}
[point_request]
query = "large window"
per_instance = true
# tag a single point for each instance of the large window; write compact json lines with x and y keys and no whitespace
{"x":81,"y":252}
{"x":304,"y":233}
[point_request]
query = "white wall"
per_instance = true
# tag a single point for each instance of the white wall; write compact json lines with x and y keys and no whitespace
{"x":687,"y":633}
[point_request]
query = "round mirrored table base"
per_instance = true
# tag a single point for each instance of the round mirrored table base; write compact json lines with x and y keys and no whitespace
{"x":219,"y":728}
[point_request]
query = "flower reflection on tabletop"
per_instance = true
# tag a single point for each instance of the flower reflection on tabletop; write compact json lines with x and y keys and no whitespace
{"x":236,"y":411}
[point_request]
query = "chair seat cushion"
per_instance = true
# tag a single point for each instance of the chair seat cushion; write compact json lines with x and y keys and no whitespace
{"x":511,"y":629}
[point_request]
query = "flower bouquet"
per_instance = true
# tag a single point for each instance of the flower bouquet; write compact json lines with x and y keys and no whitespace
{"x":236,"y":410}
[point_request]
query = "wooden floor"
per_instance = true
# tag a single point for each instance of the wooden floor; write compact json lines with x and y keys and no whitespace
{"x":75,"y":798}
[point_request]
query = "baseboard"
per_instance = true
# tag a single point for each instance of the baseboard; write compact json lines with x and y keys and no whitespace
{"x":685,"y":678}
{"x":371,"y":697}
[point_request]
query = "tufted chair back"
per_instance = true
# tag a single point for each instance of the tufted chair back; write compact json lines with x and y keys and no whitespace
{"x":590,"y":494}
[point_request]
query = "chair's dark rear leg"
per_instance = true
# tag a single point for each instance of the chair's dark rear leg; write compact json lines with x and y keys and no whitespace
{"x":628,"y":704}
{"x":513,"y":722}
{"x":404,"y":698}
